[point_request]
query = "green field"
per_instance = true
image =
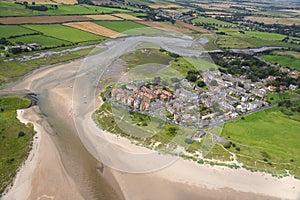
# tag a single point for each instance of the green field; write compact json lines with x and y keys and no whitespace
{"x":143,"y":31}
{"x":12,"y":9}
{"x":265,"y":35}
{"x":152,"y":56}
{"x":44,"y":41}
{"x":121,"y":26}
{"x":83,"y":10}
{"x":266,"y":140}
{"x":249,"y":39}
{"x":13,"y":30}
{"x":15,"y":138}
{"x":129,"y":27}
{"x":65,"y":33}
{"x":212,"y":21}
{"x":289,"y":59}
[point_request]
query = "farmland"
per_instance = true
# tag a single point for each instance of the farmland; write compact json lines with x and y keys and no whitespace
{"x":194,"y":28}
{"x":65,"y":33}
{"x":94,"y":28}
{"x":165,"y":6}
{"x":267,"y":140}
{"x":165,"y":27}
{"x":127,"y":16}
{"x":103,"y":17}
{"x":271,"y":20}
{"x":122,"y":26}
{"x":212,"y":21}
{"x":284,"y":58}
{"x":42,"y":19}
{"x":232,"y":38}
{"x":7,"y":31}
{"x":42,"y":40}
{"x":83,"y":10}
{"x":12,"y":9}
{"x":15,"y":140}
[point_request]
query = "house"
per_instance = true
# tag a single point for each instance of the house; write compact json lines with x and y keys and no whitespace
{"x":271,"y":88}
{"x":130,"y":101}
{"x":171,"y":110}
{"x":136,"y":104}
{"x":144,"y":106}
{"x":293,"y":87}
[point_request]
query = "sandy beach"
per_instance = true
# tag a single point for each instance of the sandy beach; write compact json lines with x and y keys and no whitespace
{"x":41,"y":178}
{"x":66,"y":165}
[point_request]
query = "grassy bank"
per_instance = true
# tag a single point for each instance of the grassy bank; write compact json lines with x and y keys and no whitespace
{"x":267,"y":140}
{"x":15,"y":139}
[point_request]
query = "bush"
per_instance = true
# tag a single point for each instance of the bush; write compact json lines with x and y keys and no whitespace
{"x":21,"y":134}
{"x":188,"y":140}
{"x":227,"y":145}
{"x":172,"y":130}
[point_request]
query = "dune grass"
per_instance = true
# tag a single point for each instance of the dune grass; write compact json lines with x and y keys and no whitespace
{"x":15,"y":138}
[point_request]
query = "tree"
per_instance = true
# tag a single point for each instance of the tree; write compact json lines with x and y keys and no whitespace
{"x":21,"y":134}
{"x":172,"y":130}
{"x":201,"y":83}
{"x":191,"y":77}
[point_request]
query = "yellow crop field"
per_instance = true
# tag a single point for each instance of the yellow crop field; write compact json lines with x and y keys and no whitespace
{"x":270,"y":20}
{"x":103,"y":17}
{"x":95,"y":28}
{"x":127,"y":17}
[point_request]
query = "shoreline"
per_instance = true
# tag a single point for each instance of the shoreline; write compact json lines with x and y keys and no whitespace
{"x":21,"y":186}
{"x":219,"y":177}
{"x":30,"y":181}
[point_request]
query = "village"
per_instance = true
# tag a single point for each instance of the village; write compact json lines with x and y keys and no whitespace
{"x":183,"y":103}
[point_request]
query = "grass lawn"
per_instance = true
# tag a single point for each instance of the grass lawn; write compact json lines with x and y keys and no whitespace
{"x":65,"y":33}
{"x":289,"y":59}
{"x":44,"y":41}
{"x":212,"y":21}
{"x":120,"y":26}
{"x":11,"y":71}
{"x":14,"y":30}
{"x":267,"y":140}
{"x":15,"y":139}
